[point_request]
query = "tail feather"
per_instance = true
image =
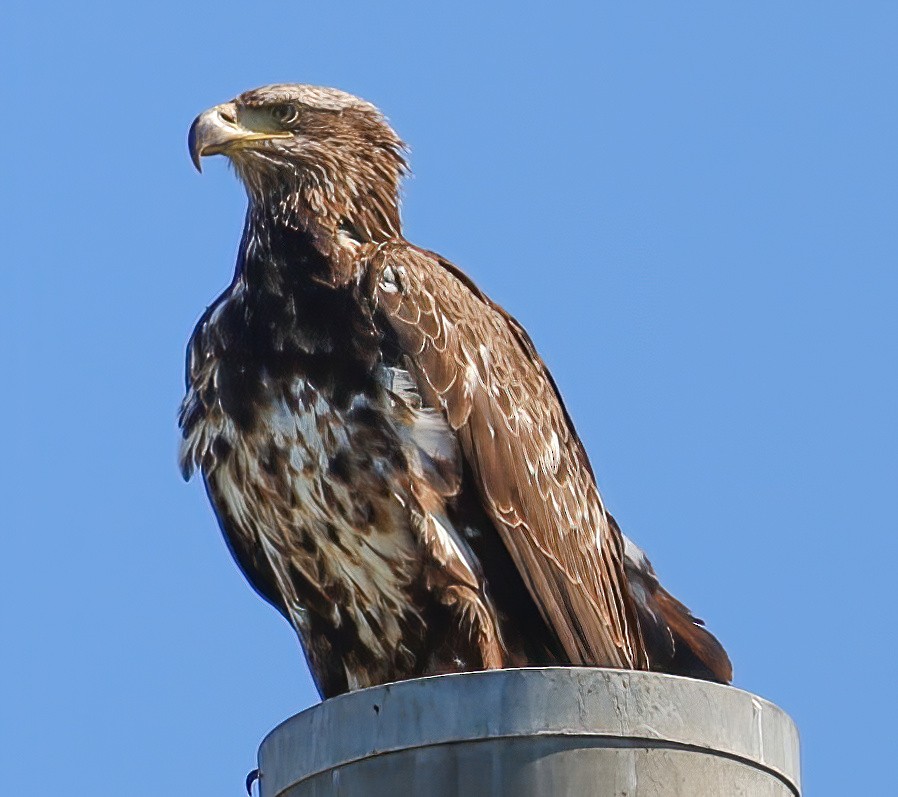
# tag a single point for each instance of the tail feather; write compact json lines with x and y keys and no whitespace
{"x":676,"y":641}
{"x":697,"y":653}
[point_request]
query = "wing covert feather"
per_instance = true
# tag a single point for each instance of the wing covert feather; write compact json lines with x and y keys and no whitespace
{"x":476,"y":363}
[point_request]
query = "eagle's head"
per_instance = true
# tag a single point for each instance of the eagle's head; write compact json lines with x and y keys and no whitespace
{"x":313,"y":158}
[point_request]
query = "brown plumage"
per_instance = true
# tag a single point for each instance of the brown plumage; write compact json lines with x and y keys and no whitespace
{"x":387,"y":455}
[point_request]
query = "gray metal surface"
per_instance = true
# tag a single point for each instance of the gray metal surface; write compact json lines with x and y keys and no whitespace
{"x":549,"y":731}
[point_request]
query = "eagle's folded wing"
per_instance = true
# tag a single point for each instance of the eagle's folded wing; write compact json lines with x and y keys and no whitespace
{"x":476,"y":363}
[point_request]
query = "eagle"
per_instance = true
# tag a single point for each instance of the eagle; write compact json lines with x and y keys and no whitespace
{"x":390,"y":461}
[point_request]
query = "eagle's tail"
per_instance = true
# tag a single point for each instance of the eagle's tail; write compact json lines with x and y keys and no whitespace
{"x":676,"y":641}
{"x":697,"y":653}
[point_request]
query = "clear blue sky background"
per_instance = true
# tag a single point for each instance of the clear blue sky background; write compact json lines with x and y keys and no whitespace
{"x":690,"y":206}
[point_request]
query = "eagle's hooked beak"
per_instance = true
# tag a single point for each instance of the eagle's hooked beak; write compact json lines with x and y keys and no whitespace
{"x":218,"y":130}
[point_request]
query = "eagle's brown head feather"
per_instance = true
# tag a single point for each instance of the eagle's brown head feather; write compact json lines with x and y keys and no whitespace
{"x":318,"y":158}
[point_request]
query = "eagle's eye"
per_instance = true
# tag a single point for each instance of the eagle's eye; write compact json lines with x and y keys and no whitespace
{"x":285,"y":114}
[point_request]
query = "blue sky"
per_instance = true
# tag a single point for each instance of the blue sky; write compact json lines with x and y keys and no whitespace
{"x":690,"y":206}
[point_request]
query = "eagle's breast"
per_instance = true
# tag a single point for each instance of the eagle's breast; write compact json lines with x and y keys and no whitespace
{"x":321,"y":492}
{"x":314,"y":483}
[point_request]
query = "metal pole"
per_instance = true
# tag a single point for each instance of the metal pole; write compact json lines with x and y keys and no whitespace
{"x":536,"y":732}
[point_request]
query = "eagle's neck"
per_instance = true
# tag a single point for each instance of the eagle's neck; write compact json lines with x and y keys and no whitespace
{"x":297,"y":305}
{"x":336,"y":224}
{"x":281,"y":252}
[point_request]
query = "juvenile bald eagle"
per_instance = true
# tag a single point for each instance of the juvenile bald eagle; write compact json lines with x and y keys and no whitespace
{"x":389,"y":460}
